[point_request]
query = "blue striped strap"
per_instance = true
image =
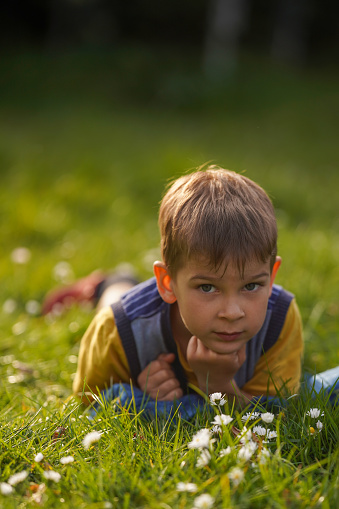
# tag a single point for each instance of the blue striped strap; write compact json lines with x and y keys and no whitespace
{"x":127,"y":339}
{"x":280,"y":307}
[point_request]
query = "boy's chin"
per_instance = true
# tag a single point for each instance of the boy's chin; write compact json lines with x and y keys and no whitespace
{"x":226,"y":349}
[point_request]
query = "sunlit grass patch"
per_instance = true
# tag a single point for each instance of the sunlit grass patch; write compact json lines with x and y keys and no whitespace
{"x":121,"y":458}
{"x":82,"y":171}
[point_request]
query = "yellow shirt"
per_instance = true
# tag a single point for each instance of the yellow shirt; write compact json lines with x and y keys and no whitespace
{"x":102,"y":359}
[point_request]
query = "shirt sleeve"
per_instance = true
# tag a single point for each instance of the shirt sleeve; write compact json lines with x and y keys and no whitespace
{"x":280,"y":367}
{"x":102,"y":360}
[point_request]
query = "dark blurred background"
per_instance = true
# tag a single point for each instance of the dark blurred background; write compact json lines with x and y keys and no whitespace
{"x":296,"y":31}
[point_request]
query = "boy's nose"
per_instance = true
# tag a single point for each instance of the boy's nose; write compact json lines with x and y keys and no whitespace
{"x":231,"y":310}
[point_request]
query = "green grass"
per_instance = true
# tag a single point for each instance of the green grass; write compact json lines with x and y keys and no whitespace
{"x":87,"y":143}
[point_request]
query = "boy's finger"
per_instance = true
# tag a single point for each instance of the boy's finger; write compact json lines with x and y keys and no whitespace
{"x":156,"y":366}
{"x":175,"y":394}
{"x":161,"y":377}
{"x":168,"y":357}
{"x":197,"y":348}
{"x":167,"y":391}
{"x":155,"y":375}
{"x":192,"y":345}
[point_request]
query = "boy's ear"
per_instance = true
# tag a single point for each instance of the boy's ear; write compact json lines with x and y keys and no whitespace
{"x":275,"y":269}
{"x":164,"y":282}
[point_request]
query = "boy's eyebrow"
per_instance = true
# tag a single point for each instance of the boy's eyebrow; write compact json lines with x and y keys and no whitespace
{"x":258,"y":276}
{"x":216,"y":278}
{"x":202,"y":276}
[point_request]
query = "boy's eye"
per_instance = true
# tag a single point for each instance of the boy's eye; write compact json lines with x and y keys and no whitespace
{"x":250,"y":287}
{"x":207,"y":288}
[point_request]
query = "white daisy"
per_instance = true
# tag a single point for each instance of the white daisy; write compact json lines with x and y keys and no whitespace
{"x":236,"y":475}
{"x":66,"y":459}
{"x":314,"y":413}
{"x":32,"y":307}
{"x":90,"y":438}
{"x":63,"y":272}
{"x":37,"y":497}
{"x":263,"y":456}
{"x":217,"y":399}
{"x":19,"y":328}
{"x":245,"y":435}
{"x":18,"y":477}
{"x":259,"y":430}
{"x":247,"y":451}
{"x":204,"y":458}
{"x":267,"y":417}
{"x":250,"y":416}
{"x":204,"y":501}
{"x":271,"y":434}
{"x":222,"y":420}
{"x":216,"y":430}
{"x":5,"y":488}
{"x":9,"y":306}
{"x":190,"y":487}
{"x":50,"y":475}
{"x":225,"y":452}
{"x":21,"y":255}
{"x":39,"y":457}
{"x":319,"y":425}
{"x":201,"y":440}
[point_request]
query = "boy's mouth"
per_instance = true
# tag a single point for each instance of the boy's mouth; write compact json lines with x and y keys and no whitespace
{"x":228,"y":336}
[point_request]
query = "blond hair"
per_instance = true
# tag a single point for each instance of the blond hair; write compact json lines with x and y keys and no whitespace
{"x":219,"y":215}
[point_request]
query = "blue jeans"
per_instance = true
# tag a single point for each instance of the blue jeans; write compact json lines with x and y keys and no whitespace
{"x":325,"y":383}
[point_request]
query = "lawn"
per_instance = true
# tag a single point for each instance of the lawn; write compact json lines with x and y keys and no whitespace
{"x":88,"y":142}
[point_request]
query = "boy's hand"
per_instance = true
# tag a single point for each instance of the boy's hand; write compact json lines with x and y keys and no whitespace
{"x":214,"y":371}
{"x":158,"y":379}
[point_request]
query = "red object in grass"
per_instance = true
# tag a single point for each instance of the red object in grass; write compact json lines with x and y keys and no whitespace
{"x":82,"y":290}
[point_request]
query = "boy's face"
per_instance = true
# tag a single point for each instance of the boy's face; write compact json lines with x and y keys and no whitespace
{"x":223,"y":309}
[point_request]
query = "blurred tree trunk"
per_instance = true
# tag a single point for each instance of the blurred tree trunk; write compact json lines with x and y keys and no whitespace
{"x":291,"y":30}
{"x":227,"y":21}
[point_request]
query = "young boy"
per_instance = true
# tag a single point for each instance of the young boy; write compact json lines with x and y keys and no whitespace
{"x":212,"y":316}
